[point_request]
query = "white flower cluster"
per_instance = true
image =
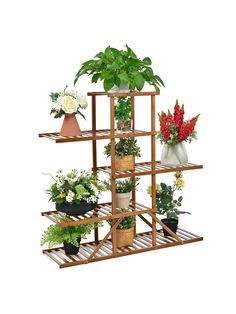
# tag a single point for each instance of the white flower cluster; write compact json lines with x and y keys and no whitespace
{"x":69,"y":102}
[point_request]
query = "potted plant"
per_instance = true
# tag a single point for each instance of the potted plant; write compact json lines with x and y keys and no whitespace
{"x":125,"y":151}
{"x":123,"y":114}
{"x":123,"y":191}
{"x":68,"y":103}
{"x":69,"y":236}
{"x":120,"y":70}
{"x":75,"y":193}
{"x":125,"y":230}
{"x":167,"y":205}
{"x":174,"y":131}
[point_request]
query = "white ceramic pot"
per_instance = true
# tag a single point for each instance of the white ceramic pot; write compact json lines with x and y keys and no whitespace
{"x":122,"y":200}
{"x":174,"y":155}
{"x":119,"y":89}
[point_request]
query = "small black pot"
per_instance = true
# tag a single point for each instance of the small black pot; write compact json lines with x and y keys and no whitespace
{"x":170,"y":223}
{"x":75,"y":209}
{"x":71,"y":249}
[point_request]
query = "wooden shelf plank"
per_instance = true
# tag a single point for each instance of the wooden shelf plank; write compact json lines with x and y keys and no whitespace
{"x":145,"y":168}
{"x":94,"y":135}
{"x":105,"y":209}
{"x":142,"y":243}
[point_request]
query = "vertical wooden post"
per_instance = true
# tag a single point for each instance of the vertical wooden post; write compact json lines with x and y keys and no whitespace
{"x":153,"y":160}
{"x":94,"y":147}
{"x":133,"y":119}
{"x":113,"y":179}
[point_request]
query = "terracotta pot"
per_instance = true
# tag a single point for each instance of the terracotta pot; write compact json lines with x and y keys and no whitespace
{"x":124,"y":237}
{"x":122,"y":200}
{"x":125,"y":163}
{"x":70,"y":126}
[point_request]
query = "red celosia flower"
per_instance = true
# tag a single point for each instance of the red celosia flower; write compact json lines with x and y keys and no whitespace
{"x":178,"y":115}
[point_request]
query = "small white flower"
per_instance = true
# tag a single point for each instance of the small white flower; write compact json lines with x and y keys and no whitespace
{"x":68,"y":104}
{"x":70,"y":196}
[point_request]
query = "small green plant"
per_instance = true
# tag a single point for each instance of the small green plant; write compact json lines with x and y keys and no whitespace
{"x":166,"y":204}
{"x":123,"y":108}
{"x":125,"y":147}
{"x":55,"y":235}
{"x":120,"y":67}
{"x":124,"y":186}
{"x":127,"y":223}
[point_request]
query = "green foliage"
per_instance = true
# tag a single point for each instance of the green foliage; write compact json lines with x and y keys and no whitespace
{"x":120,"y":67}
{"x":125,"y":147}
{"x":166,"y":204}
{"x":123,"y":108}
{"x":124,"y":186}
{"x":127,"y":223}
{"x":55,"y":235}
{"x":74,"y":187}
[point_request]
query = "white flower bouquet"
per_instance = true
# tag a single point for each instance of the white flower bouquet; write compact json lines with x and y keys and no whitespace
{"x":67,"y":102}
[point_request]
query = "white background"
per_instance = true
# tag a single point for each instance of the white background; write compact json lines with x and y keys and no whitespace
{"x":192,"y":46}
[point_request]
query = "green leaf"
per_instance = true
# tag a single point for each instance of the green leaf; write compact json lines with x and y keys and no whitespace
{"x":139,"y":81}
{"x":123,"y":76}
{"x":108,"y":84}
{"x":95,"y":77}
{"x":147,"y":61}
{"x":160,"y":80}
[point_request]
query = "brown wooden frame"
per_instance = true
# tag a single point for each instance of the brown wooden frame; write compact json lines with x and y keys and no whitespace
{"x":105,"y":248}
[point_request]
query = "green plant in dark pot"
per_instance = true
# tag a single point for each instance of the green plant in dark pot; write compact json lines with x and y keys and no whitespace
{"x":167,"y":205}
{"x":120,"y":69}
{"x":69,"y":236}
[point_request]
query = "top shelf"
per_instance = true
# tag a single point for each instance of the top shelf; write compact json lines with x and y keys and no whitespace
{"x":123,"y":94}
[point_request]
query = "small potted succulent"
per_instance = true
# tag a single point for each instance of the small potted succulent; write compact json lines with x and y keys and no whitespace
{"x":123,"y":114}
{"x":120,"y":70}
{"x":167,"y":205}
{"x":75,"y":193}
{"x":68,"y":103}
{"x":123,"y":191}
{"x":125,"y":230}
{"x":125,"y":151}
{"x":174,"y":131}
{"x":69,"y":236}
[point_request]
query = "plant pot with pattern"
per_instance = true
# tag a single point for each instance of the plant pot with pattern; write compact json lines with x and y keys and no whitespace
{"x":125,"y":151}
{"x":123,"y":110}
{"x":123,"y":191}
{"x":75,"y":193}
{"x":68,"y":103}
{"x":174,"y":132}
{"x":70,"y":236}
{"x":120,"y":70}
{"x":125,"y":231}
{"x":167,"y":205}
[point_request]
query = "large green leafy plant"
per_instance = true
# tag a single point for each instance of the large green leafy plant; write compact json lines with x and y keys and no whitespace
{"x":166,"y":204}
{"x":120,"y":67}
{"x":125,"y":147}
{"x":55,"y":235}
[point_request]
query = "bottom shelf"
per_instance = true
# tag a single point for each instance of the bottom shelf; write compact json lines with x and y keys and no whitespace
{"x":142,"y":243}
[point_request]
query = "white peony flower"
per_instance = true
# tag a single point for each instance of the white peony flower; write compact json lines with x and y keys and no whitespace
{"x":70,"y":196}
{"x":68,"y":104}
{"x":82,"y":100}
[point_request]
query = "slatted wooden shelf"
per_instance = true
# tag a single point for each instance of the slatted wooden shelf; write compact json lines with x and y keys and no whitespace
{"x":94,"y":135}
{"x":145,"y":168}
{"x":100,"y":213}
{"x":142,"y":243}
{"x":132,"y":94}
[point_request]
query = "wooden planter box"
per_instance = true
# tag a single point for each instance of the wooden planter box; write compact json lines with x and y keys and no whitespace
{"x":124,"y":237}
{"x":125,"y":163}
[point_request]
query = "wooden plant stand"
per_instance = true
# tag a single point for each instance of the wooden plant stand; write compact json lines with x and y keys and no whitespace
{"x":105,"y":248}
